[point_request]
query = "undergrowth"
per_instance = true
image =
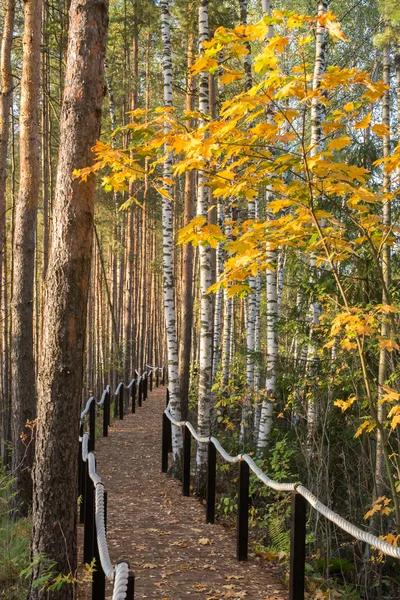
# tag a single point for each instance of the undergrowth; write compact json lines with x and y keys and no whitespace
{"x":14,"y":545}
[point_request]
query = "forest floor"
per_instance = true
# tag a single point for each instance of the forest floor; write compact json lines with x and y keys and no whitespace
{"x":172,"y":551}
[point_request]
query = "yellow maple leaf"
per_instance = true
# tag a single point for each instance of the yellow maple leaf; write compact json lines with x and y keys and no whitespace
{"x":345,"y":404}
{"x":339,"y":143}
{"x":364,"y":123}
{"x":388,"y":345}
{"x":381,"y":129}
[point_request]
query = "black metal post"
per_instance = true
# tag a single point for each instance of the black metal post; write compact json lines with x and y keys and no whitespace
{"x":121,"y":403}
{"x":99,"y":579}
{"x":146,"y":383}
{"x":163,"y":375}
{"x":211,"y":476}
{"x":151,"y":380}
{"x":165,"y":443}
{"x":187,"y":442}
{"x":81,"y":480}
{"x":92,"y":425}
{"x":115,"y":406}
{"x":89,"y":510}
{"x":243,"y":512}
{"x":133,"y":396}
{"x":109,"y":408}
{"x":130,"y":592}
{"x":106,"y":416}
{"x":169,"y":435}
{"x":157,"y":377}
{"x":140,"y":399}
{"x":105,"y":510}
{"x":297,"y":547}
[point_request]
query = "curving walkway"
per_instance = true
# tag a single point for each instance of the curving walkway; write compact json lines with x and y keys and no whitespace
{"x":171,"y":549}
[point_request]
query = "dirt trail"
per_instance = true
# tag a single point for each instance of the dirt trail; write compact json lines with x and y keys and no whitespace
{"x":171,"y":549}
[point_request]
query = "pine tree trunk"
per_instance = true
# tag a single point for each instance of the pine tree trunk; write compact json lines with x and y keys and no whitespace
{"x":6,"y":86}
{"x":185,"y":340}
{"x":23,"y":390}
{"x":385,"y":329}
{"x":66,"y":290}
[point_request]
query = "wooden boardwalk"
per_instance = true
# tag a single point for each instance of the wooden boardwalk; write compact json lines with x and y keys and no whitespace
{"x":171,"y":549}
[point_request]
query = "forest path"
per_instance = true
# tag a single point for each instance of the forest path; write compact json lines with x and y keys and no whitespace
{"x":172,"y":551}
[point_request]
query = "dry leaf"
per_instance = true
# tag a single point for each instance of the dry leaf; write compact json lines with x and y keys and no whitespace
{"x":204,"y":542}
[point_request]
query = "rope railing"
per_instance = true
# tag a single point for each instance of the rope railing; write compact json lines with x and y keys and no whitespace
{"x":93,"y":507}
{"x":300,"y":497}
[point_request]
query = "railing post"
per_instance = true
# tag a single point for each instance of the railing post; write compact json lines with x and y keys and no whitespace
{"x":81,"y":480}
{"x":151,"y":380}
{"x":115,"y":406}
{"x":157,"y":377}
{"x":133,"y":396}
{"x":211,"y":476}
{"x":99,"y":579}
{"x":106,"y":417}
{"x":140,"y":391}
{"x":130,"y":592}
{"x":169,"y":426}
{"x":92,"y":425}
{"x":121,"y":403}
{"x":163,"y":375}
{"x":165,"y":443}
{"x":146,"y":382}
{"x":187,"y":442}
{"x":243,"y":512}
{"x":297,"y":547}
{"x":89,"y":510}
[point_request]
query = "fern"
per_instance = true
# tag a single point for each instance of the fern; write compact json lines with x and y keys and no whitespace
{"x":279,"y":537}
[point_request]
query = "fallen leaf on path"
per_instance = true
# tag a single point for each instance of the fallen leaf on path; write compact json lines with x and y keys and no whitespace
{"x":149,"y":566}
{"x":204,"y":542}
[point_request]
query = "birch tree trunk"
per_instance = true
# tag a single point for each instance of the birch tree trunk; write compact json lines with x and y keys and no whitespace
{"x":251,"y":299}
{"x":206,"y":306}
{"x":6,"y":86}
{"x":265,"y":424}
{"x":66,"y":289}
{"x":228,"y":304}
{"x":168,"y":247}
{"x":23,"y":388}
{"x":317,"y":117}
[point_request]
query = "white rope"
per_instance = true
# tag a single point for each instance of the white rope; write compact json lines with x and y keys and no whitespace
{"x":87,"y":407}
{"x":121,"y":581}
{"x":85,"y":446}
{"x":354,"y":531}
{"x":105,"y":561}
{"x":103,"y":397}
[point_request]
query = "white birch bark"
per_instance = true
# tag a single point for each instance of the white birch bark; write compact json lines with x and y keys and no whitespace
{"x":226,"y":339}
{"x":317,"y":117}
{"x":218,"y":295}
{"x":251,"y":304}
{"x":265,"y":424}
{"x":206,"y":305}
{"x":168,"y":248}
